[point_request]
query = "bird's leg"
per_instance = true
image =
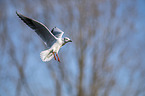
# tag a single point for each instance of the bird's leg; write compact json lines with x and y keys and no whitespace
{"x":57,"y":57}
{"x":54,"y":56}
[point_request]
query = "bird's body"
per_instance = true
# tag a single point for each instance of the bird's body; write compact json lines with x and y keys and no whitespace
{"x":53,"y":39}
{"x":48,"y":54}
{"x":56,"y":46}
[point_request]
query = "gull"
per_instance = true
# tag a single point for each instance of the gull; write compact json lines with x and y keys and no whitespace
{"x":52,"y":39}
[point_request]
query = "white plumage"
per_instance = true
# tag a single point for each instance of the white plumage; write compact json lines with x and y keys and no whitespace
{"x":47,"y":55}
{"x":53,"y":39}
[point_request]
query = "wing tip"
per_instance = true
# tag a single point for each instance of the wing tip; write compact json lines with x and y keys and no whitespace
{"x":17,"y":13}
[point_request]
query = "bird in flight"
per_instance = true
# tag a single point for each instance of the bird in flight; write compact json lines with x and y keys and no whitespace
{"x":52,"y":39}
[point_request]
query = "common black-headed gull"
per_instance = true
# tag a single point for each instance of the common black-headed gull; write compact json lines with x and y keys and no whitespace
{"x":52,"y":39}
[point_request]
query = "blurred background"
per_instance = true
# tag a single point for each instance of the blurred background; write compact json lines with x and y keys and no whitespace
{"x":106,"y":57}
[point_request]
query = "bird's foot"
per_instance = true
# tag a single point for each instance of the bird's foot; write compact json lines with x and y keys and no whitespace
{"x":57,"y":57}
{"x":54,"y":56}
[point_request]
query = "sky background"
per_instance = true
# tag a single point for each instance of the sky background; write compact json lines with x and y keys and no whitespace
{"x":106,"y":57}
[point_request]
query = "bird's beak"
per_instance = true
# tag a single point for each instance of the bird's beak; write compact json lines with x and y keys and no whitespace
{"x":69,"y":41}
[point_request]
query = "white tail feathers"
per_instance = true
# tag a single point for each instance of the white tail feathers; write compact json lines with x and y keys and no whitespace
{"x":46,"y":55}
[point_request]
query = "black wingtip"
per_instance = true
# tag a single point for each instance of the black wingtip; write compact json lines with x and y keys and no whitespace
{"x":17,"y":13}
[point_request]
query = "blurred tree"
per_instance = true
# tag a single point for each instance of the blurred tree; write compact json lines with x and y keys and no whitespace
{"x":106,"y":57}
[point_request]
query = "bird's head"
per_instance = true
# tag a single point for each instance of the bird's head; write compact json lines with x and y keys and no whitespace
{"x":66,"y":40}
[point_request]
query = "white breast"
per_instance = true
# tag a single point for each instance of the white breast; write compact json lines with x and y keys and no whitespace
{"x":56,"y":46}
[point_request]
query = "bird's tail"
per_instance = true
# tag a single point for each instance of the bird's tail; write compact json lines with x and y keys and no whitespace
{"x":46,"y":55}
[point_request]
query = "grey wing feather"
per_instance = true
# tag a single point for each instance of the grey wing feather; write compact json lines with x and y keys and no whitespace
{"x":40,"y":29}
{"x":57,"y":32}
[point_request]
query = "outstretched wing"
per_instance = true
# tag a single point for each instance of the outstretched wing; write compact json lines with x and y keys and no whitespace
{"x":40,"y":29}
{"x":57,"y":32}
